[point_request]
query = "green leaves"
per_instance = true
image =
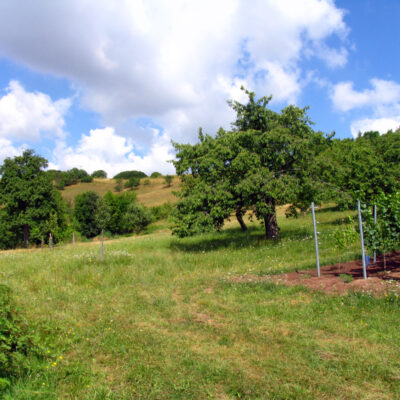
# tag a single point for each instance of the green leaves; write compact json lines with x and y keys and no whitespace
{"x":30,"y":202}
{"x":385,"y":234}
{"x":265,"y":161}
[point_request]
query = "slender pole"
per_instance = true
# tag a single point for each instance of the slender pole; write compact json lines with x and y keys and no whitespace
{"x":315,"y":238}
{"x":73,"y":237}
{"x":362,"y":239}
{"x":375,"y":221}
{"x":51,"y":241}
{"x":102,"y":245}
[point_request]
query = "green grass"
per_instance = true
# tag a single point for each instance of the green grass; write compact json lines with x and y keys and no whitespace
{"x":160,"y":318}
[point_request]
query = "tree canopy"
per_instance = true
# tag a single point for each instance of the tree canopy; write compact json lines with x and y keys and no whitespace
{"x":266,"y":160}
{"x":31,"y":207}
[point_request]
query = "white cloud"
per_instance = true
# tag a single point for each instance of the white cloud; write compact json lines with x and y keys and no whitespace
{"x":381,"y":125}
{"x":158,"y":59}
{"x":104,"y":149}
{"x":8,"y":150}
{"x":383,"y":93}
{"x":24,"y":115}
{"x":382,"y":101}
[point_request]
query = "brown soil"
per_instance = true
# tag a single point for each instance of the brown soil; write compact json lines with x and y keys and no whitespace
{"x":379,"y":281}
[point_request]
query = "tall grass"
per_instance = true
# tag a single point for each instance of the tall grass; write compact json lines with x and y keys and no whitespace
{"x":160,"y":318}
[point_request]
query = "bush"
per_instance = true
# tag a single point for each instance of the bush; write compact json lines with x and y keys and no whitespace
{"x":87,"y":179}
{"x":118,"y":186}
{"x":155,"y":174}
{"x":132,"y":183}
{"x":99,"y":174}
{"x":146,"y":182}
{"x":168,"y":179}
{"x":16,"y":343}
{"x":118,"y":205}
{"x":130,"y":174}
{"x":137,"y":217}
{"x":162,"y":212}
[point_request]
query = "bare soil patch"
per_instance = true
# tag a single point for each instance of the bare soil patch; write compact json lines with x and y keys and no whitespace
{"x":342,"y":278}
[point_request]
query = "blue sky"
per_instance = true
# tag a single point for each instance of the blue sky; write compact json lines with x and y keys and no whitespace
{"x":107,"y":85}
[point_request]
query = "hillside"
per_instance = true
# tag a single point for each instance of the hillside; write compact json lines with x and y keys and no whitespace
{"x":152,"y":194}
{"x":164,"y":318}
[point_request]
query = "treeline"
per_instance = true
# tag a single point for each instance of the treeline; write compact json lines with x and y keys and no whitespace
{"x":61,"y":179}
{"x":269,"y":159}
{"x":31,"y":209}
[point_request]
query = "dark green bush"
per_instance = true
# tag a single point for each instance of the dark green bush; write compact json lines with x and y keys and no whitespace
{"x":162,"y":212}
{"x":155,"y":174}
{"x":137,"y":217}
{"x":130,"y":174}
{"x":99,"y":174}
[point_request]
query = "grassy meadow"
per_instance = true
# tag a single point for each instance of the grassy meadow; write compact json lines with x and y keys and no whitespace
{"x":160,"y":318}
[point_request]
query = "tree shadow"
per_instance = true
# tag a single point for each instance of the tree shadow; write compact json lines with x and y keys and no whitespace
{"x":234,"y":238}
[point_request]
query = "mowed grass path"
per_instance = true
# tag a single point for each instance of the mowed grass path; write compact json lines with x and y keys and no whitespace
{"x":159,"y":318}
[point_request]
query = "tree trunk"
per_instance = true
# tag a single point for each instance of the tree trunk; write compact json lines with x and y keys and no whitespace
{"x":271,"y":224}
{"x":239,"y":216}
{"x":26,"y":236}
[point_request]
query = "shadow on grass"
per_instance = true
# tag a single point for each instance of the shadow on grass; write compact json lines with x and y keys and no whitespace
{"x":234,"y":238}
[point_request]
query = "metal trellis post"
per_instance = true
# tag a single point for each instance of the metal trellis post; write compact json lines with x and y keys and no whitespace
{"x":362,"y":239}
{"x":315,"y":238}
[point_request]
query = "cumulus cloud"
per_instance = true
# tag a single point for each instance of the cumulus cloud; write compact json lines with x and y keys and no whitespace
{"x":382,"y":94}
{"x":25,"y":115}
{"x":104,"y":149}
{"x":130,"y":59}
{"x":7,"y":149}
{"x":382,"y":101}
{"x":381,"y":125}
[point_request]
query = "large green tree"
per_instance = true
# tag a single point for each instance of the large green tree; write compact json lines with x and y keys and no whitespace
{"x":266,"y":160}
{"x":30,"y":205}
{"x":362,"y":168}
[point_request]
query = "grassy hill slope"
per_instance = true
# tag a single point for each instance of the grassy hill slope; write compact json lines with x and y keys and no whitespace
{"x":162,"y":318}
{"x":153,"y":194}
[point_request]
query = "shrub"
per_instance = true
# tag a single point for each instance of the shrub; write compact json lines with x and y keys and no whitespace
{"x":99,"y":174}
{"x":168,"y":179}
{"x":118,"y":205}
{"x":132,"y":183}
{"x":118,"y":186}
{"x":146,"y":182}
{"x":16,"y":343}
{"x":130,"y":174}
{"x":155,"y":174}
{"x":137,"y":217}
{"x":161,"y":212}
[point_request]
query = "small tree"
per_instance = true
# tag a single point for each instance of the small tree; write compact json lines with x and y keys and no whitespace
{"x":118,"y":186}
{"x":85,"y":213}
{"x":102,"y":217}
{"x":137,"y":217}
{"x":132,"y":183}
{"x":168,"y":180}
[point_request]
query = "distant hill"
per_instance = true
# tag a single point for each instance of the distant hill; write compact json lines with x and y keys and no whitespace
{"x":154,"y":193}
